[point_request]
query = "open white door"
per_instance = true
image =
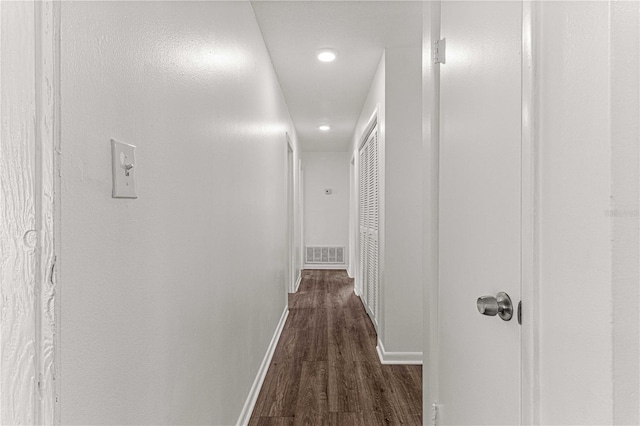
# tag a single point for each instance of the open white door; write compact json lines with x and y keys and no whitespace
{"x":480,"y":212}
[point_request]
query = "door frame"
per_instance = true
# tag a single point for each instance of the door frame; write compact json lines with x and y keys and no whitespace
{"x":290,"y":209}
{"x":353,"y":221}
{"x":300,"y":227}
{"x":529,"y":226}
{"x":30,"y":146}
{"x":359,"y":285}
{"x":430,"y":219}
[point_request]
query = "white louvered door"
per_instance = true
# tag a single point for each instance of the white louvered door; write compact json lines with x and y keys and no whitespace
{"x":373,"y":222}
{"x":368,"y":218}
{"x":362,"y":185}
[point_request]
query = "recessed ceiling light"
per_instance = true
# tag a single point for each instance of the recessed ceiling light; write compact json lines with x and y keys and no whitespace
{"x":324,"y":127}
{"x":326,"y":54}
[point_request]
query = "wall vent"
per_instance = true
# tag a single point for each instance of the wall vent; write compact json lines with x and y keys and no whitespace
{"x":324,"y":254}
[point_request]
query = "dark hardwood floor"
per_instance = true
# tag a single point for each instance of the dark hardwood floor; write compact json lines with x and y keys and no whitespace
{"x":325,"y":370}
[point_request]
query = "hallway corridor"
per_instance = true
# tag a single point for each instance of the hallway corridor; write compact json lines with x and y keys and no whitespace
{"x":325,"y":370}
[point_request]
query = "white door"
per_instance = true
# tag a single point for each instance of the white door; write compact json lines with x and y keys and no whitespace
{"x":480,"y":148}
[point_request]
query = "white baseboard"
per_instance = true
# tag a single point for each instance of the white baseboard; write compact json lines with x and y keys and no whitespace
{"x":398,"y":357}
{"x":349,"y":272}
{"x":250,"y":403}
{"x":298,"y":281}
{"x":325,"y":266}
{"x":355,"y":290}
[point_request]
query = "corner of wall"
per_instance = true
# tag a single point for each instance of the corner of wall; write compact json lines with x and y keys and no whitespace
{"x":405,"y":358}
{"x":401,"y":208}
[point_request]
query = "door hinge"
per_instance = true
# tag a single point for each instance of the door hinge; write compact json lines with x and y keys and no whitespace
{"x":434,"y":413}
{"x":439,"y":51}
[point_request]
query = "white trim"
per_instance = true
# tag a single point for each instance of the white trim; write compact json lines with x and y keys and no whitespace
{"x":408,"y":358}
{"x":529,"y":232}
{"x":249,"y":404}
{"x":371,"y":123}
{"x":48,"y":130}
{"x":430,"y":223}
{"x":290,"y":200}
{"x":353,"y":217}
{"x":340,"y":266}
{"x":382,"y":222}
{"x":298,"y":281}
{"x":300,"y":201}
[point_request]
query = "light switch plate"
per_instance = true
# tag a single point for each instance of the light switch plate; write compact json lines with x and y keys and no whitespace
{"x":123,"y":160}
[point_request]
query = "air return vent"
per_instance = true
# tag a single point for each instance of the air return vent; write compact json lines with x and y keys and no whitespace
{"x":324,"y":254}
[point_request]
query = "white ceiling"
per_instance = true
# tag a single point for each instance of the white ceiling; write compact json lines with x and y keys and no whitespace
{"x":332,"y":92}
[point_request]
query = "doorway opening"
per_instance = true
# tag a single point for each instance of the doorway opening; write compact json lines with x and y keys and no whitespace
{"x":291,"y":254}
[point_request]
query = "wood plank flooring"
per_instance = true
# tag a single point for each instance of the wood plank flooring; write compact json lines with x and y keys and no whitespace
{"x":325,"y":370}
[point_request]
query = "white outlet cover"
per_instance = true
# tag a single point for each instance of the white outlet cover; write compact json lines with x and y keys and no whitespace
{"x":123,"y":160}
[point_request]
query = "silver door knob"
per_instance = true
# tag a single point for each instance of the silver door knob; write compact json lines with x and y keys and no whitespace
{"x":500,"y":305}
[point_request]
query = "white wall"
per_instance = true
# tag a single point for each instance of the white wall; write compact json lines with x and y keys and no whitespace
{"x":375,"y":100}
{"x":170,"y":300}
{"x":396,"y":92}
{"x":326,"y":217}
{"x":588,"y":73}
{"x":625,"y":218}
{"x":403,"y":202}
{"x":373,"y":104}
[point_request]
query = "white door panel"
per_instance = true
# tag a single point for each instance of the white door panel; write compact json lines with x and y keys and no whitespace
{"x":480,"y":150}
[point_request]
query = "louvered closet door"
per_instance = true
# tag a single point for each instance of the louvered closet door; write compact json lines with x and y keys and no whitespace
{"x":362,"y":184}
{"x":368,"y":203}
{"x":373,"y":223}
{"x":370,"y":245}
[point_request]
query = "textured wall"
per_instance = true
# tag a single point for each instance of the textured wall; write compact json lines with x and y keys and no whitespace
{"x":28,"y":77}
{"x":18,"y":348}
{"x":170,"y":300}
